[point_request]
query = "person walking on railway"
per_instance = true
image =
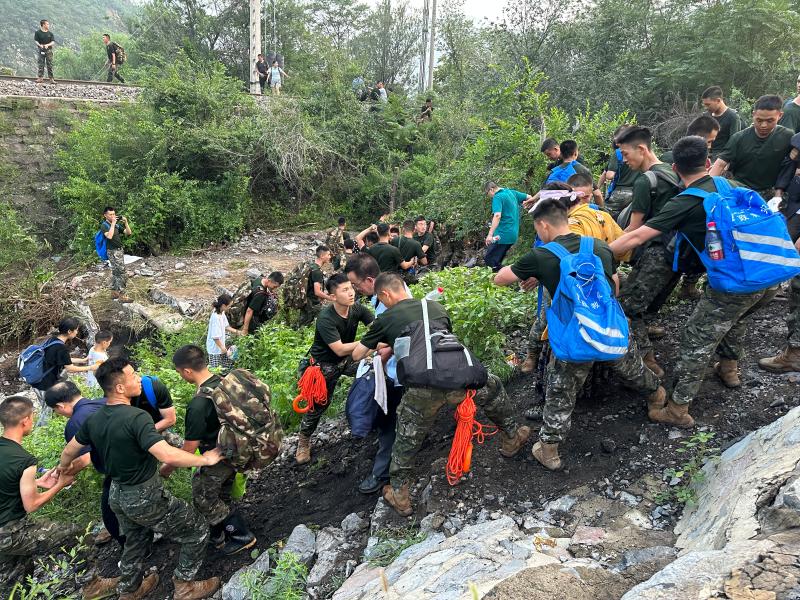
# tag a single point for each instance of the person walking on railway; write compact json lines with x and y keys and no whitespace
{"x":115,"y":59}
{"x":114,"y":231}
{"x":45,"y":41}
{"x":261,"y":67}
{"x":276,"y":77}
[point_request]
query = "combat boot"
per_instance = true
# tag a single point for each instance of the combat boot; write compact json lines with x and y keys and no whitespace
{"x":657,"y":400}
{"x":689,"y":291}
{"x":655,"y":332}
{"x":148,"y":585}
{"x":650,"y":362}
{"x":529,"y":364}
{"x":217,"y":535}
{"x":728,"y":371}
{"x":100,"y":587}
{"x":547,"y":455}
{"x":303,"y":454}
{"x":785,"y":362}
{"x":510,"y":445}
{"x":673,"y":414}
{"x":194,"y":590}
{"x":398,"y":499}
{"x":238,"y":535}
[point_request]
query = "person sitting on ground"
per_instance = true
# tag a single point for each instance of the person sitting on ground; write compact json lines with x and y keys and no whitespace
{"x":420,"y":406}
{"x":98,"y":354}
{"x":263,"y":303}
{"x":504,"y":230}
{"x":564,"y":379}
{"x":569,"y":163}
{"x":113,"y":230}
{"x":21,"y":537}
{"x":389,"y":258}
{"x":219,"y":355}
{"x":131,"y":449}
{"x":334,"y":340}
{"x":728,"y":119}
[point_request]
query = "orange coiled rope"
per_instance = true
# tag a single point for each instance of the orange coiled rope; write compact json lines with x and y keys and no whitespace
{"x":467,"y":428}
{"x":313,"y":390}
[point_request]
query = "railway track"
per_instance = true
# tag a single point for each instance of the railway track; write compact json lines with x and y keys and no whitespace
{"x":32,"y":79}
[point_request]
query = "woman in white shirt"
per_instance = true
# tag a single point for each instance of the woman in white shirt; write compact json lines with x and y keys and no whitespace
{"x":218,"y":326}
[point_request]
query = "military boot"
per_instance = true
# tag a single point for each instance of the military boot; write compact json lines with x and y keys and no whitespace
{"x":785,"y":362}
{"x":655,"y":332}
{"x":217,"y":535}
{"x":728,"y":371}
{"x":510,"y":445}
{"x":657,"y":400}
{"x":650,"y":362}
{"x":689,"y":290}
{"x":547,"y":455}
{"x":529,"y":364}
{"x":100,"y":587}
{"x":238,"y":535}
{"x":148,"y":585}
{"x":303,"y":454}
{"x":398,"y":499}
{"x":195,"y":590}
{"x":673,"y":414}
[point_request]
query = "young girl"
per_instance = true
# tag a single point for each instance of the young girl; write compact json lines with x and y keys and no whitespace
{"x":215,"y":340}
{"x":98,"y":354}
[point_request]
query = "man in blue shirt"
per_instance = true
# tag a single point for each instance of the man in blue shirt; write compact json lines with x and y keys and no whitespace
{"x":504,"y":230}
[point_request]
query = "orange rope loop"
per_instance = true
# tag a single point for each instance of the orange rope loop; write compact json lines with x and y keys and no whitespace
{"x":313,"y":390}
{"x":467,"y":428}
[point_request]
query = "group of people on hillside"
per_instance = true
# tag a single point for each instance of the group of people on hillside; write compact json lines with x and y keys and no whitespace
{"x":654,"y":216}
{"x":272,"y":75}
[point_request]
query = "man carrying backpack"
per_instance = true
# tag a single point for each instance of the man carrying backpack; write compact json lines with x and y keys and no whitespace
{"x":156,"y":401}
{"x":114,"y":231}
{"x":420,"y":405}
{"x":718,"y":322}
{"x":211,"y":486}
{"x":569,"y":163}
{"x":652,"y":272}
{"x":113,"y":50}
{"x":565,"y":378}
{"x":620,"y":178}
{"x":314,"y":287}
{"x":262,"y":302}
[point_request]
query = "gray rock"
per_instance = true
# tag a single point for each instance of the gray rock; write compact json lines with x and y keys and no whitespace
{"x":179,"y":266}
{"x":784,"y":512}
{"x":252,"y":273}
{"x":638,"y":556}
{"x":329,"y":539}
{"x":291,"y":247}
{"x":235,"y":589}
{"x":431,"y":523}
{"x":302,"y":543}
{"x":353,"y":525}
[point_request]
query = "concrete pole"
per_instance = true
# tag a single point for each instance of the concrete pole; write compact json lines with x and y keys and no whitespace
{"x":432,"y":48}
{"x":255,"y":44}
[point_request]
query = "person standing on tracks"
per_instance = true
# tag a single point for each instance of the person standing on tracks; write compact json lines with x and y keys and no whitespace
{"x":44,"y":42}
{"x":114,"y":63}
{"x":261,"y":67}
{"x":276,"y":77}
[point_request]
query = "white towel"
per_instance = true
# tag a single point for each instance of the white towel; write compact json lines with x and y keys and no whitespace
{"x":380,"y":384}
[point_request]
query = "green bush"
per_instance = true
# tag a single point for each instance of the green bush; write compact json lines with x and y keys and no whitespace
{"x":19,"y":248}
{"x":286,"y":582}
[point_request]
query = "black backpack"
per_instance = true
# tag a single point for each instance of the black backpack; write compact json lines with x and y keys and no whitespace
{"x":429,"y":355}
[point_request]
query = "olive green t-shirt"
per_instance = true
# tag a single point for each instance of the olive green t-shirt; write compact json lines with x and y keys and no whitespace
{"x":791,"y":117}
{"x":315,"y":276}
{"x":546,"y":266}
{"x":122,"y":435}
{"x":202,"y":422}
{"x":729,"y":123}
{"x":647,"y":202}
{"x":387,"y":256}
{"x":14,"y":460}
{"x":390,"y":324}
{"x":626,"y":175}
{"x":332,"y":328}
{"x":410,"y":248}
{"x":755,"y":162}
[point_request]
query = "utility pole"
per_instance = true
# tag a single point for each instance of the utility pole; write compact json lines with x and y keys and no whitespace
{"x":432,"y":48}
{"x":423,"y":48}
{"x":255,"y":44}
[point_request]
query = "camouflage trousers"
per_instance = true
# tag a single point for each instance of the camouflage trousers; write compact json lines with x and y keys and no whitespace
{"x":793,"y":319}
{"x":118,"y":277}
{"x":535,"y":343}
{"x":565,"y":379}
{"x":23,"y":538}
{"x":211,"y":491}
{"x":417,"y":413}
{"x":717,"y":325}
{"x":145,"y":509}
{"x":647,"y":279}
{"x":332,"y":372}
{"x":45,"y":59}
{"x":309,"y":313}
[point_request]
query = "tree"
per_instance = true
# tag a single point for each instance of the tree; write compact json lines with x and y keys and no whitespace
{"x":388,"y":43}
{"x":338,"y":20}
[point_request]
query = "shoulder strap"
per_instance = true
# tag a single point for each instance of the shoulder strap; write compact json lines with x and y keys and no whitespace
{"x":556,"y":248}
{"x":427,"y":324}
{"x":722,"y":185}
{"x":587,"y":245}
{"x":149,"y":391}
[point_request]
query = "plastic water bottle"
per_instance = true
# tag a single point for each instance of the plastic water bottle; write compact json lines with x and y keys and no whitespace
{"x":714,"y":242}
{"x":435,"y":295}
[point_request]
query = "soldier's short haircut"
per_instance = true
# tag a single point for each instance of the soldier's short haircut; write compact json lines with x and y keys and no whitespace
{"x":689,"y":155}
{"x":342,"y":221}
{"x":547,"y":144}
{"x":389,"y":281}
{"x":768,"y":102}
{"x":635,"y":135}
{"x":580,"y":179}
{"x":322,"y":250}
{"x":551,"y":210}
{"x":349,"y":244}
{"x":408,"y":225}
{"x":363,"y":265}
{"x":334,"y":281}
{"x":13,"y":409}
{"x":62,"y":392}
{"x":420,"y":218}
{"x":712,"y":93}
{"x":109,"y":373}
{"x":277,"y":277}
{"x":371,"y":238}
{"x":68,"y":324}
{"x":382,"y":229}
{"x":703,"y":126}
{"x":568,"y":148}
{"x":190,"y":357}
{"x":394,"y":229}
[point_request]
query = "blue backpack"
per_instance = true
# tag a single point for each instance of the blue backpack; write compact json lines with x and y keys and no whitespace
{"x":31,"y":362}
{"x":562,"y":172}
{"x":101,"y":245}
{"x":149,"y":391}
{"x":361,"y":408}
{"x":613,"y":184}
{"x":758,"y":252}
{"x":585,"y":321}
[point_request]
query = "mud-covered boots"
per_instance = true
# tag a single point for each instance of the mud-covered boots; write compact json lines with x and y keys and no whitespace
{"x":547,"y":455}
{"x":673,"y":414}
{"x":657,"y":400}
{"x":785,"y":362}
{"x":529,"y":364}
{"x":195,"y":590}
{"x":728,"y":371}
{"x":510,"y":445}
{"x":689,"y":290}
{"x":398,"y":499}
{"x":148,"y":584}
{"x":303,"y":454}
{"x":238,"y":535}
{"x":100,"y":587}
{"x":650,"y":362}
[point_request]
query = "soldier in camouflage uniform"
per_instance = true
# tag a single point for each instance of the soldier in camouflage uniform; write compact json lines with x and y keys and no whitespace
{"x":114,"y":231}
{"x":335,"y":242}
{"x":131,"y":449}
{"x":565,"y":379}
{"x":20,"y":537}
{"x":417,"y":411}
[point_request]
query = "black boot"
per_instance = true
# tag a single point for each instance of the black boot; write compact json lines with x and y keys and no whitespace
{"x":218,"y":535}
{"x":238,"y":535}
